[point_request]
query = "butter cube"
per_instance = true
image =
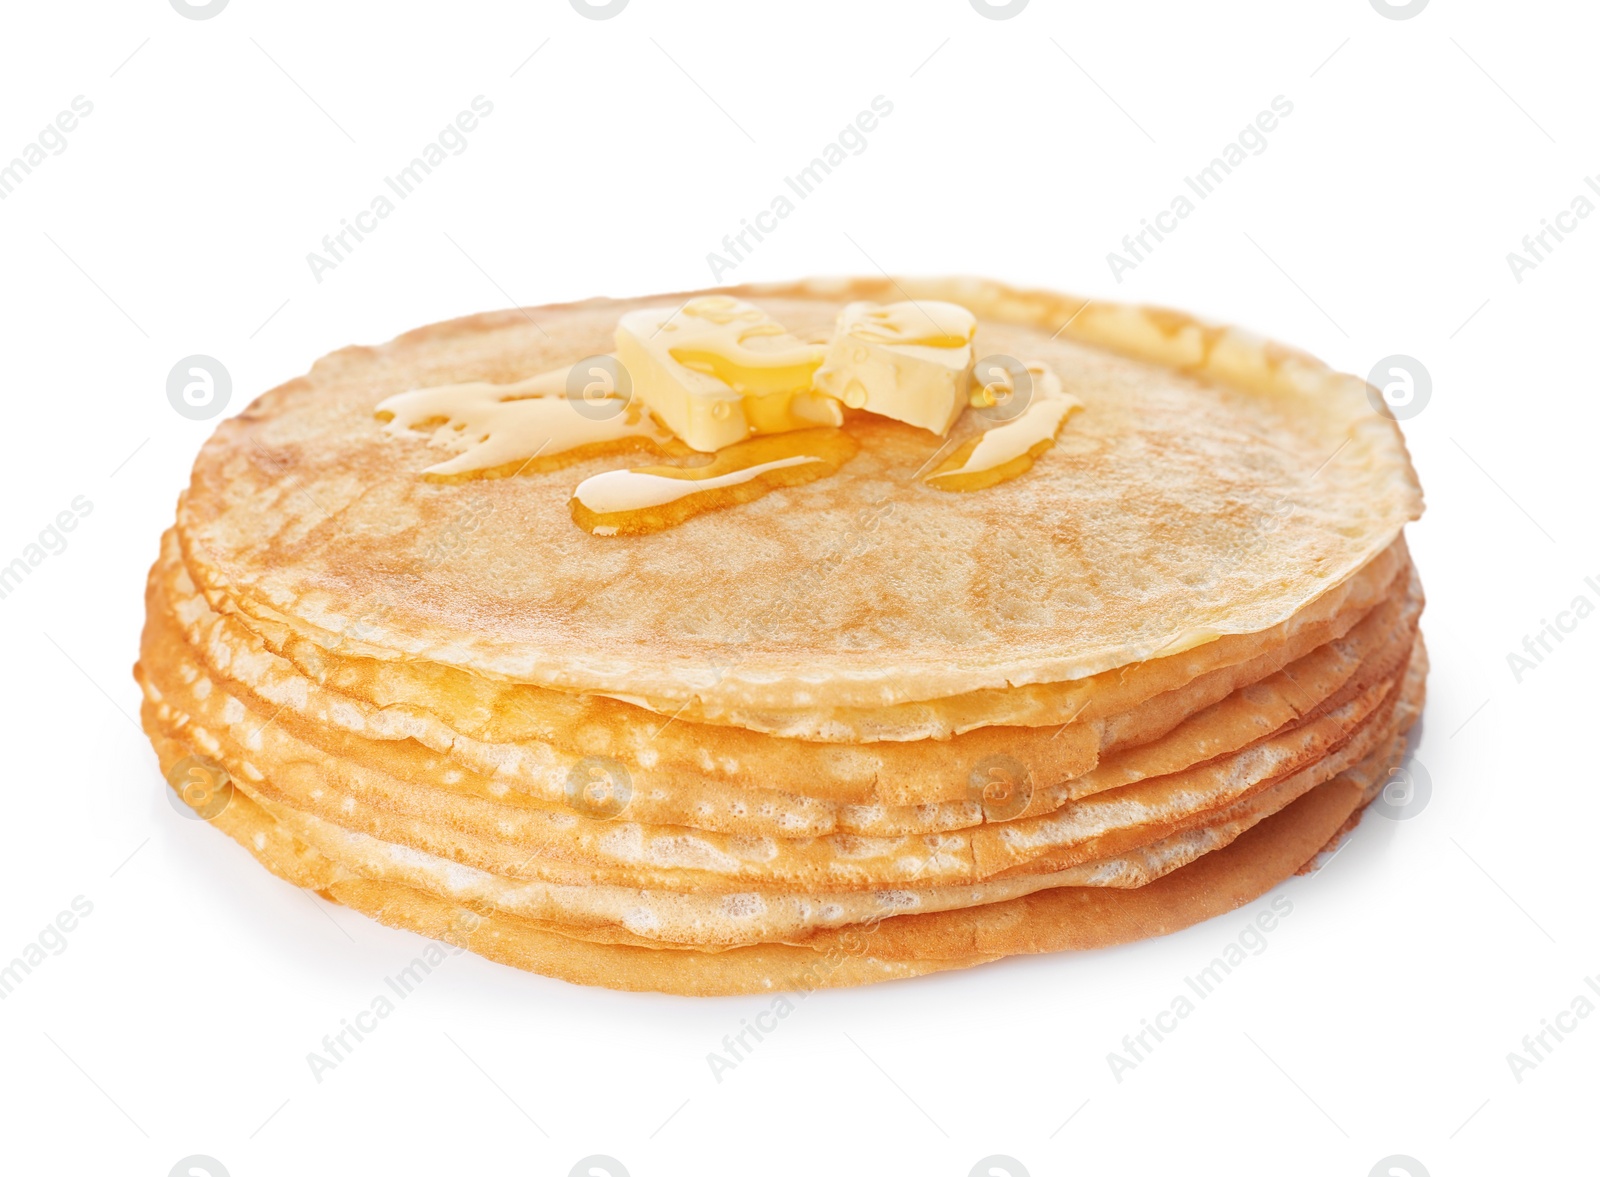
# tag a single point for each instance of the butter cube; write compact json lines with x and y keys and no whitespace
{"x":718,"y":370}
{"x":908,"y":360}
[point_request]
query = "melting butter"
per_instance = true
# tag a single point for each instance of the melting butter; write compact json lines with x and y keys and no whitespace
{"x":634,"y":490}
{"x":654,"y":498}
{"x":907,"y":360}
{"x":718,"y":370}
{"x":719,"y":375}
{"x":499,"y":429}
{"x":1008,"y":449}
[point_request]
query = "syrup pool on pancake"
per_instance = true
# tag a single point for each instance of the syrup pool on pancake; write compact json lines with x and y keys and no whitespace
{"x":720,"y":376}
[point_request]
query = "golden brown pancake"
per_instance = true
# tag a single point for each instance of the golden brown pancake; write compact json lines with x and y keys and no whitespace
{"x":331,"y":719}
{"x":1223,"y":500}
{"x":707,"y":917}
{"x":852,"y":729}
{"x":549,"y":843}
{"x":895,"y":947}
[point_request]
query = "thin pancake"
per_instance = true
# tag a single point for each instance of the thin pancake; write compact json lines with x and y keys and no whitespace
{"x":895,"y":948}
{"x":1194,"y":516}
{"x":708,"y":777}
{"x":702,"y":917}
{"x":552,"y":845}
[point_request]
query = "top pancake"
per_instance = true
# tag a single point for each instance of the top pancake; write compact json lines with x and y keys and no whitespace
{"x":1213,"y":485}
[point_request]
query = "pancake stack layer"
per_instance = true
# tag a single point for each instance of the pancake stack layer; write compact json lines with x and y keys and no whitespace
{"x":858,"y":730}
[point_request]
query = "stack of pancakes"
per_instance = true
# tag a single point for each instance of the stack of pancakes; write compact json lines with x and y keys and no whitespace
{"x":857,"y":730}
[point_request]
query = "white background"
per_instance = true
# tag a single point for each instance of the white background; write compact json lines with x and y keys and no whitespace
{"x":1378,"y":220}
